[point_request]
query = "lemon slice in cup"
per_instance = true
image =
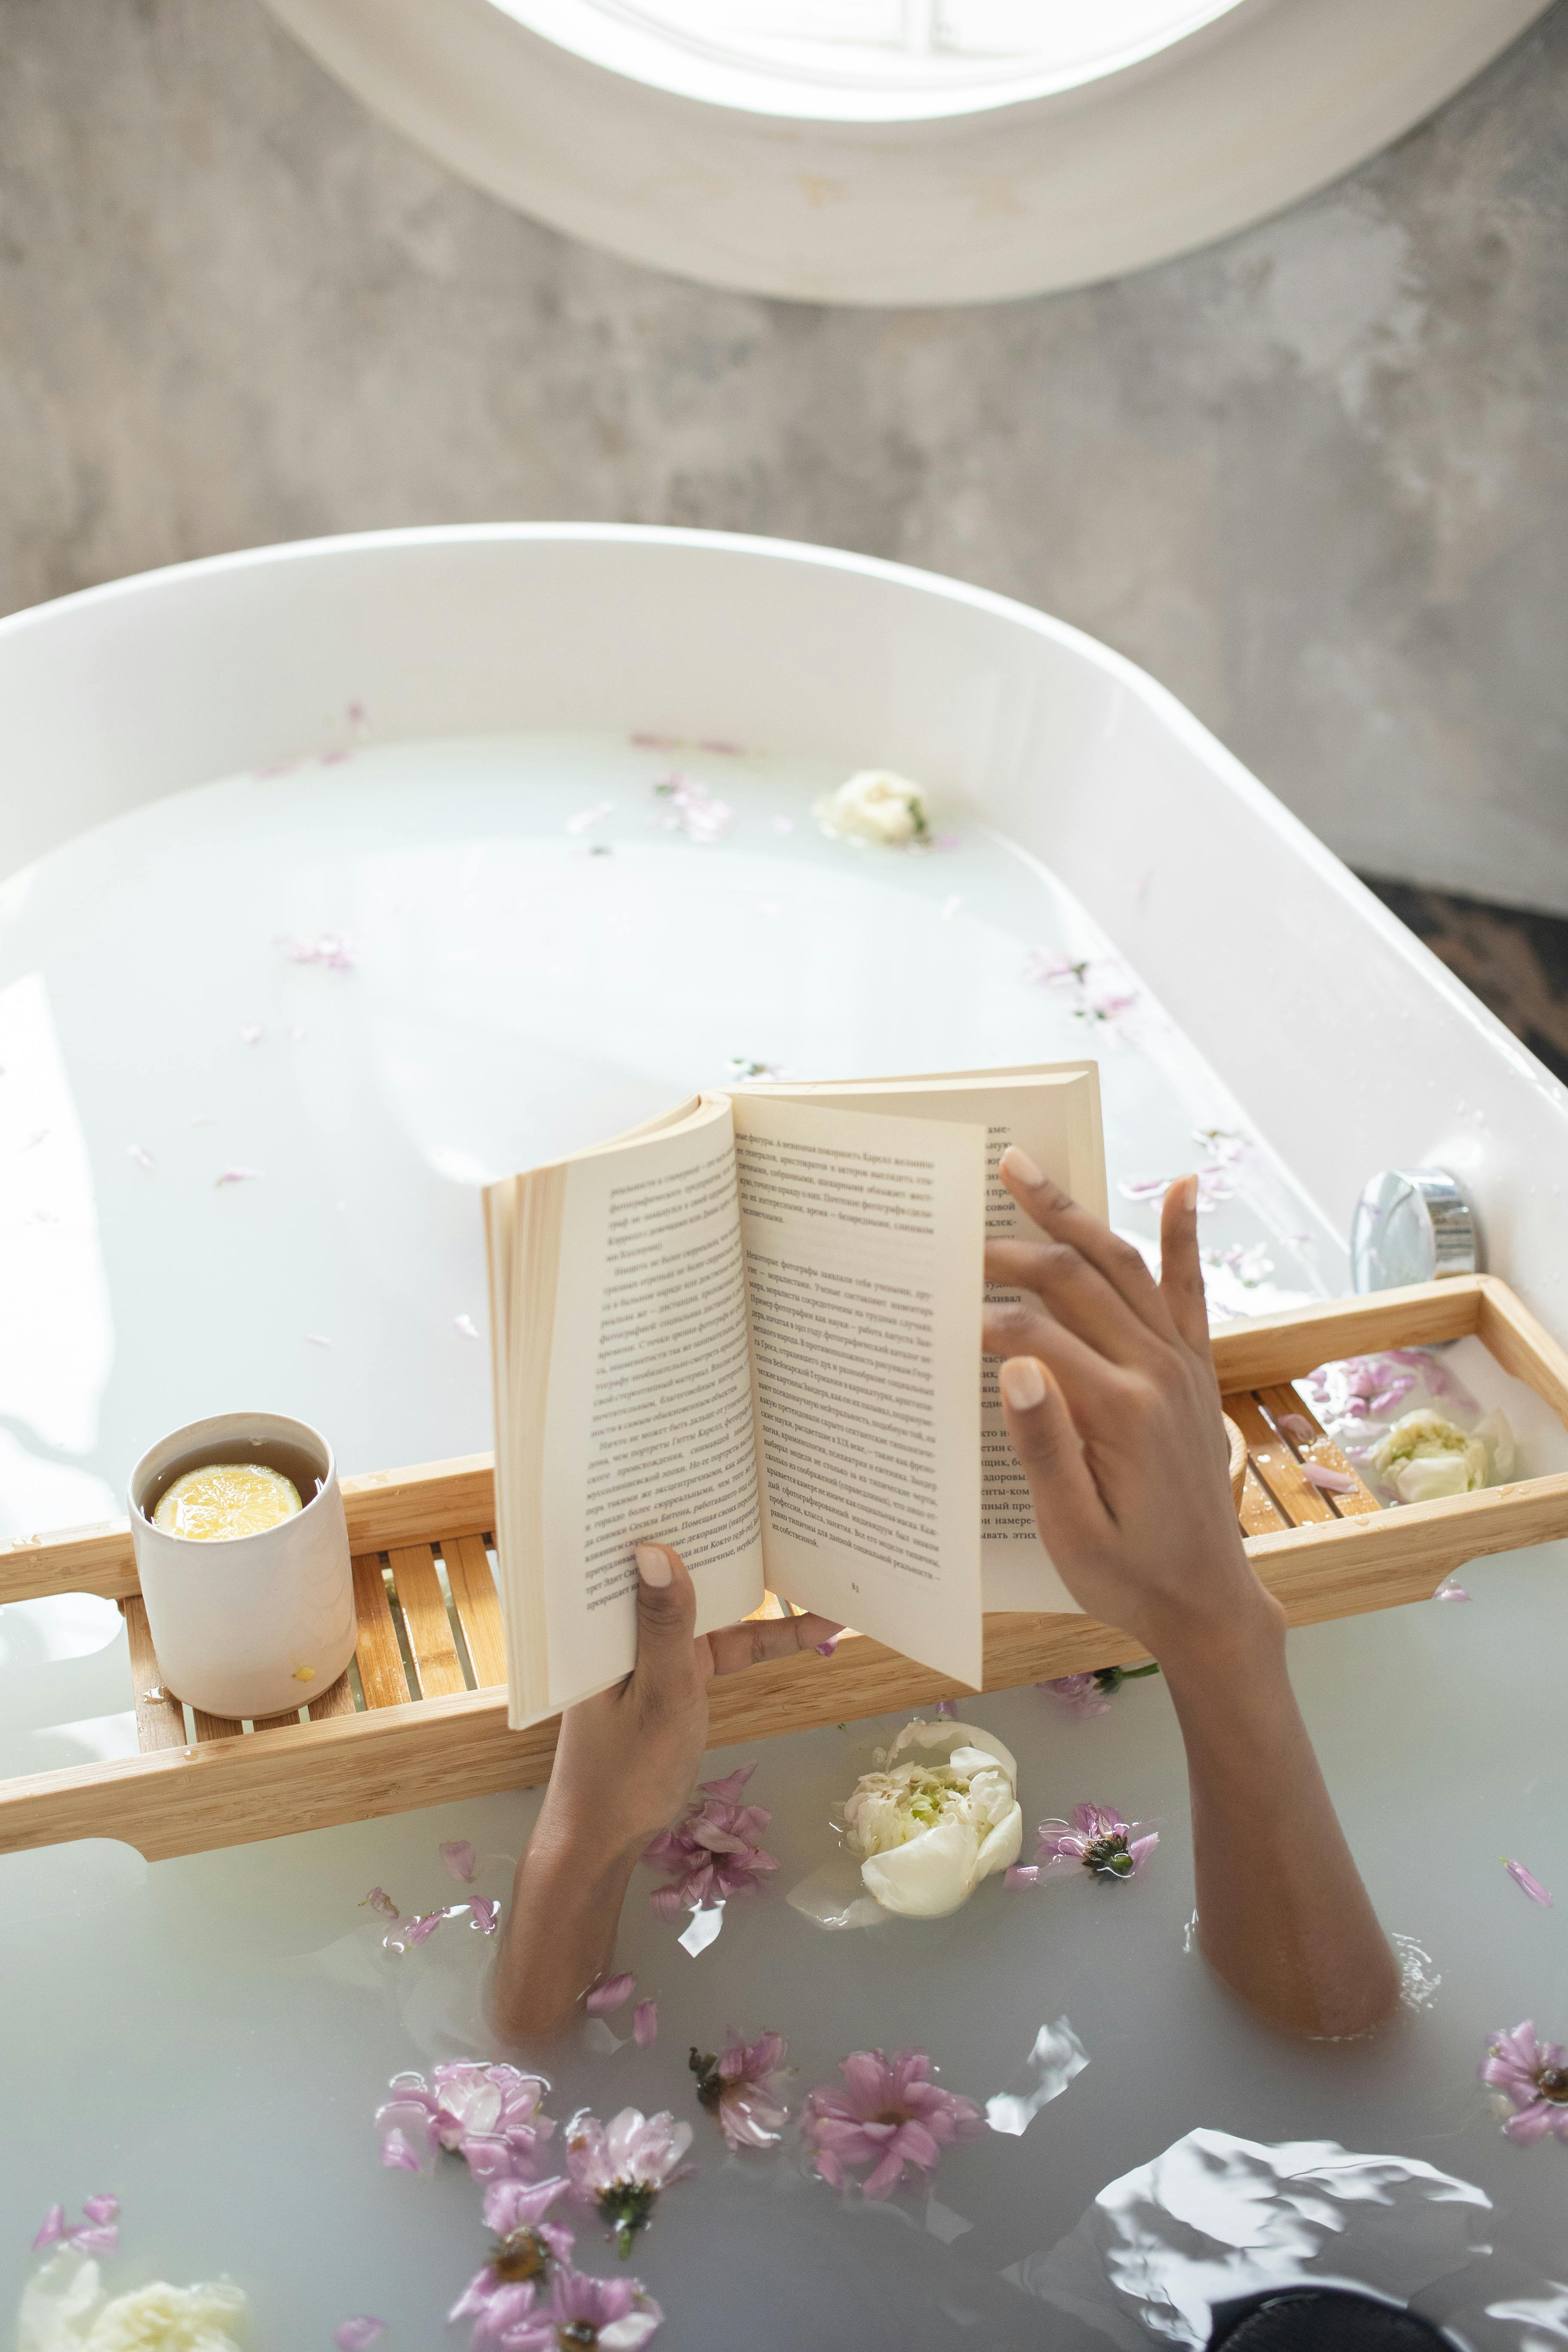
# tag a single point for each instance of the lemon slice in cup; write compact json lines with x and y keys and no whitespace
{"x":227,"y":1498}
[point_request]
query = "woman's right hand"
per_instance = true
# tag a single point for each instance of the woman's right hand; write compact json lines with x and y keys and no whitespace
{"x":1113,"y":1408}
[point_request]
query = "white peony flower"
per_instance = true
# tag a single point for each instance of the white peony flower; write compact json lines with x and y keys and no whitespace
{"x":875,"y":806}
{"x":940,"y":1814}
{"x":1426,"y":1455}
{"x":62,"y":2310}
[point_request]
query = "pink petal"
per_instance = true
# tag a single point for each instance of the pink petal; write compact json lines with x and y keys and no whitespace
{"x":1142,"y":1848}
{"x":97,"y":2241}
{"x":380,"y":1900}
{"x":1527,"y":1881}
{"x":1295,"y":1426}
{"x":1533,"y":2124}
{"x":667,"y":1902}
{"x":457,"y":1854}
{"x":357,"y":2335}
{"x":729,"y":1788}
{"x":397,"y":2154}
{"x":609,"y":1995}
{"x":484,"y":1914}
{"x":946,"y":1711}
{"x":1021,"y":1874}
{"x":237,"y":1176}
{"x":420,"y":1931}
{"x":826,"y":1649}
{"x":645,"y":2023}
{"x":1449,"y":1591}
{"x":101,"y":2208}
{"x":1332,"y":1482}
{"x":51,"y":2229}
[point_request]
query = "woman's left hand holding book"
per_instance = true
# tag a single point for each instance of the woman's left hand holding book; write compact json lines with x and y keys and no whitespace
{"x":626,"y":1763}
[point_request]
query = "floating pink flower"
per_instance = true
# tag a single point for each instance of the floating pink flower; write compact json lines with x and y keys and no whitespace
{"x":580,"y":2313}
{"x":621,"y":2167}
{"x":609,"y":1995}
{"x":1095,"y":1840}
{"x":380,"y":1900}
{"x":527,"y":2249}
{"x":357,"y":2335}
{"x":740,"y":2087}
{"x":645,"y":2023}
{"x":484,"y":1914}
{"x":98,"y":2232}
{"x":890,"y":2115}
{"x":330,"y":949}
{"x":1533,"y":2076}
{"x":489,"y":2116}
{"x":457,"y":1854}
{"x":1528,"y":1882}
{"x":691,"y":809}
{"x":420,"y":1930}
{"x":710,"y":1853}
{"x":1079,"y":1694}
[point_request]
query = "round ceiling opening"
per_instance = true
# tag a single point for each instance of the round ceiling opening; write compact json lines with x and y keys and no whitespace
{"x":865,"y":61}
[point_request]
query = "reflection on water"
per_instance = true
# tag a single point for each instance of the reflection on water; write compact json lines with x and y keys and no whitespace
{"x":1216,"y":2218}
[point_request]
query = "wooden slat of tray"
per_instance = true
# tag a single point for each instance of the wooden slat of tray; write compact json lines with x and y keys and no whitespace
{"x":1259,"y":1514}
{"x":425,"y":1618}
{"x":275,"y":1722}
{"x":159,"y":1720}
{"x":1300,"y":1503}
{"x":216,"y":1727}
{"x":478,"y":1607}
{"x":1318,"y":1446}
{"x":337,"y":1700}
{"x":377,"y":1653}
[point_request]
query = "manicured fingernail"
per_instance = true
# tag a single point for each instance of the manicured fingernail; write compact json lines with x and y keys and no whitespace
{"x":653,"y":1565}
{"x":1019,"y":1164}
{"x":1022,"y":1383}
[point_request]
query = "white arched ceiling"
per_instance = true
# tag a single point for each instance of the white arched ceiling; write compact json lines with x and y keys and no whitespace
{"x":718,"y":149}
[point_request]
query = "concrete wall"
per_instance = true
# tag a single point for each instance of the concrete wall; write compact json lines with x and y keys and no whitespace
{"x":1315,"y":479}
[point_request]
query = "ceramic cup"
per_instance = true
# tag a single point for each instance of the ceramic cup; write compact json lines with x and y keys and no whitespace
{"x":250,"y":1625}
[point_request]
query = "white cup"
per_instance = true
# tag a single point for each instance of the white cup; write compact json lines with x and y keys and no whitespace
{"x":254,"y":1624}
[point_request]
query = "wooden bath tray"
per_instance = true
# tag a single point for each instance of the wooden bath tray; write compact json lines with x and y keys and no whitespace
{"x":421,"y":1716}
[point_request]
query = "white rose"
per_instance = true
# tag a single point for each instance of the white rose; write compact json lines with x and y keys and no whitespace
{"x":875,"y":806}
{"x":63,"y":2310}
{"x":940,"y":1815}
{"x":1426,"y":1455}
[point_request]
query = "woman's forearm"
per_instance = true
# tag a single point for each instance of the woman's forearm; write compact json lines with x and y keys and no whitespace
{"x":560,"y":1933}
{"x":1282,"y":1914}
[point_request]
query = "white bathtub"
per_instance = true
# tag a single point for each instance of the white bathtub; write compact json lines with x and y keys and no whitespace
{"x":1352,"y":1047}
{"x":208,"y":2035}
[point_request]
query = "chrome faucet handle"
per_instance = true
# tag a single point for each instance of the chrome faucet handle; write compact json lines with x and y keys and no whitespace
{"x":1411,"y":1225}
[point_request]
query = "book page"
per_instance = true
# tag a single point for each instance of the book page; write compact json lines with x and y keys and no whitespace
{"x":1052,"y":1112}
{"x":863,"y":1243}
{"x":641,"y":1427}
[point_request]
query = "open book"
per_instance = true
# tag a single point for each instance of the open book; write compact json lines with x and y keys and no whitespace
{"x":751,"y":1330}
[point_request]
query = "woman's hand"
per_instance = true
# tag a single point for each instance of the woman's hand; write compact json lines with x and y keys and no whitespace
{"x":1113,"y":1405}
{"x":628,"y":1758}
{"x":1113,"y":1408}
{"x":624,"y":1766}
